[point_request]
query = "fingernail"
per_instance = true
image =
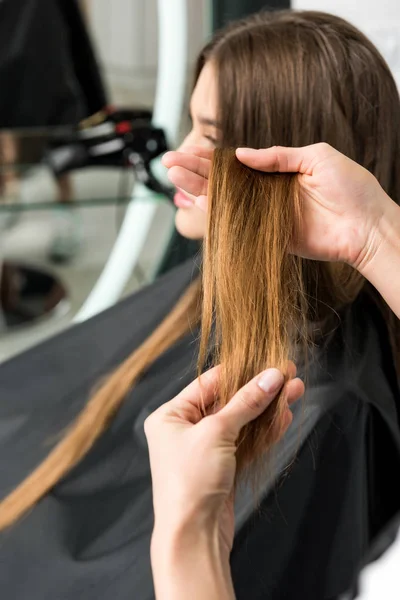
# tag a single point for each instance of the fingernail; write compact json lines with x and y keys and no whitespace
{"x":271,"y":381}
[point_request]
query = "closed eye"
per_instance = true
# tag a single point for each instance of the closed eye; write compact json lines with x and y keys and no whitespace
{"x":213,"y":141}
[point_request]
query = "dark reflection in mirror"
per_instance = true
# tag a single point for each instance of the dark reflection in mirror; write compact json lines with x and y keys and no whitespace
{"x":28,"y":294}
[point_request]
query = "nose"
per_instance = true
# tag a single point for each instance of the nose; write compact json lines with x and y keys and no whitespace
{"x":192,"y":139}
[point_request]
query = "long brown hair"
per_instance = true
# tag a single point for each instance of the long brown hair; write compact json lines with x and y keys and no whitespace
{"x":284,"y":78}
{"x":254,"y":295}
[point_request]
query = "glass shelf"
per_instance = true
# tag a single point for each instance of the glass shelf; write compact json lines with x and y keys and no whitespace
{"x":39,"y":297}
{"x":23,"y":166}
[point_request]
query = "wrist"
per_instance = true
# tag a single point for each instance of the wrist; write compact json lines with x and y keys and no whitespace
{"x":179,"y":536}
{"x":383,"y":241}
{"x":380,"y":232}
{"x":383,"y":268}
{"x":184,"y":517}
{"x":187,"y":560}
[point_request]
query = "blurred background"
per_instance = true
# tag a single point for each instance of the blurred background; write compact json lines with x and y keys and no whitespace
{"x":92,"y":93}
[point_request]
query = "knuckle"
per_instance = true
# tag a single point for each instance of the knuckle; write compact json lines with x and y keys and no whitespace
{"x":149,"y":425}
{"x":291,"y":369}
{"x":324,"y":146}
{"x":251,"y":398}
{"x":282,"y":159}
{"x":173,"y":173}
{"x":217,"y":426}
{"x":276,"y":150}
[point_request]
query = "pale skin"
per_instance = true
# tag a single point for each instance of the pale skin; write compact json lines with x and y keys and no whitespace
{"x":193,"y":467}
{"x":203,"y":137}
{"x":347,"y":217}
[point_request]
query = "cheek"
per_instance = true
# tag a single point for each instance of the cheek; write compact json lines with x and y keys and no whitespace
{"x":191,"y":222}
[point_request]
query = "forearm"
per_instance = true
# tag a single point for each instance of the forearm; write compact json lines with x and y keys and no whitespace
{"x":189,"y":564}
{"x":383,"y":269}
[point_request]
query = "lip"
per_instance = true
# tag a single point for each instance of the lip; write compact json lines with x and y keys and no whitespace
{"x":182,"y":201}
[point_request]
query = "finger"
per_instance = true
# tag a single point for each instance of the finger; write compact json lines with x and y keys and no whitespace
{"x":190,"y":405}
{"x":200,"y":151}
{"x":291,"y":370}
{"x":282,"y":159}
{"x":294,"y":390}
{"x":287,"y":418}
{"x":187,"y":180}
{"x":192,"y":162}
{"x":202,"y":202}
{"x":250,"y":401}
{"x":201,"y":393}
{"x":170,"y":156}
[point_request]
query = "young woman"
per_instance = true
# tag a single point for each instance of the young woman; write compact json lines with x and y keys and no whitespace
{"x":80,"y":524}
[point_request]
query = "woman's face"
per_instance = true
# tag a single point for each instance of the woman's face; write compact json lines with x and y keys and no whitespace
{"x":191,"y":221}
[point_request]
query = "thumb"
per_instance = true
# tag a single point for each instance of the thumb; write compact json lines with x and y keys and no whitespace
{"x":251,"y":400}
{"x":285,"y":160}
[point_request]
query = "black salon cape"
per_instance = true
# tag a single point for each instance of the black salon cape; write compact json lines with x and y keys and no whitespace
{"x":89,"y":538}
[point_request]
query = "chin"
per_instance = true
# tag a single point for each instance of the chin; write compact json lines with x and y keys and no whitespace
{"x":191,"y":223}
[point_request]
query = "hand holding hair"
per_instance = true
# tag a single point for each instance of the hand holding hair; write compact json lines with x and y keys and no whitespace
{"x":193,"y":467}
{"x":343,"y":203}
{"x":347,"y":216}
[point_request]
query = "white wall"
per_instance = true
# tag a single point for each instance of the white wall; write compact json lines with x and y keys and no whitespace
{"x":125,"y":34}
{"x":378,"y":19}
